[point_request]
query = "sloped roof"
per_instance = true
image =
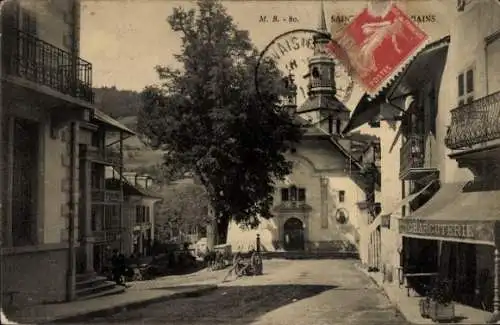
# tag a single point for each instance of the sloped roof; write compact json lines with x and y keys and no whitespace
{"x":313,"y":130}
{"x":111,"y":122}
{"x":323,"y":102}
{"x":130,"y":189}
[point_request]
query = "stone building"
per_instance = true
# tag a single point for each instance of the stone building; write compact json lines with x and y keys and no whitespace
{"x":53,"y":148}
{"x":445,"y":223}
{"x":139,"y":214}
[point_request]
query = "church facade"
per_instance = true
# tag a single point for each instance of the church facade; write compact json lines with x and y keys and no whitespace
{"x":318,"y":206}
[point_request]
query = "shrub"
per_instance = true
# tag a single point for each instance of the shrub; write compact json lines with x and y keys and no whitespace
{"x":441,"y":292}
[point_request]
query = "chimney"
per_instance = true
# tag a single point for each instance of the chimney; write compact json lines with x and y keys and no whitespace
{"x":142,"y":181}
{"x":149,"y":182}
{"x":131,"y":177}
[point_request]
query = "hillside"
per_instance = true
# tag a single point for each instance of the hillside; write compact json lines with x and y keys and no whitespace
{"x":137,"y":153}
{"x":123,"y":105}
{"x":117,"y":103}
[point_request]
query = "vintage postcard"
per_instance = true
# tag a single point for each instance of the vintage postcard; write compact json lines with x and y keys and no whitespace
{"x":250,"y":162}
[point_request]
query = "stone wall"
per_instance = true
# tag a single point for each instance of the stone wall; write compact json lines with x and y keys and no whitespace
{"x":38,"y":276}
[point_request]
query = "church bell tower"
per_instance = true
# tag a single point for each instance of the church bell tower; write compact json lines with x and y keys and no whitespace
{"x":330,"y":114}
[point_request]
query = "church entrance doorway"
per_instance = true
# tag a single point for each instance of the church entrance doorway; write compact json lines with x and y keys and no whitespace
{"x":293,"y":234}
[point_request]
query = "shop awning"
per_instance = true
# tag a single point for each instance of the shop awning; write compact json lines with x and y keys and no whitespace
{"x":456,"y":213}
{"x":394,"y":209}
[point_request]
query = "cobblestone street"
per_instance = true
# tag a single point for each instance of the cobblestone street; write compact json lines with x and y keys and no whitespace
{"x":297,"y":292}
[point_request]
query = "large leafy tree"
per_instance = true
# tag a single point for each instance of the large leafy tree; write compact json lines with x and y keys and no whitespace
{"x":210,"y":120}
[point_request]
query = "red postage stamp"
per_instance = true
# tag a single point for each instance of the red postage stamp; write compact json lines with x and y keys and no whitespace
{"x":378,"y":47}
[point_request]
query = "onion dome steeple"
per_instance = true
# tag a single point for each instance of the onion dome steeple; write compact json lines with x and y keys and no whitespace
{"x":331,"y":113}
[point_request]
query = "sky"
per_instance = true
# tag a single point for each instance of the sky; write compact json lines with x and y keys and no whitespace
{"x":126,"y":39}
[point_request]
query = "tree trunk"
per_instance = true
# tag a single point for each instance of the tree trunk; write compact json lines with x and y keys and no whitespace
{"x":211,"y":235}
{"x":211,"y":230}
{"x":222,"y":227}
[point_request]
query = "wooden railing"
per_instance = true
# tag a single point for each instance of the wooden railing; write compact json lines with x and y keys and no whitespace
{"x":106,"y":196}
{"x":107,"y":156}
{"x":33,"y":59}
{"x":412,"y":154}
{"x":475,"y":123}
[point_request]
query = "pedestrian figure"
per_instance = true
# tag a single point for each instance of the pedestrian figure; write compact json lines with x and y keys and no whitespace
{"x":118,"y":266}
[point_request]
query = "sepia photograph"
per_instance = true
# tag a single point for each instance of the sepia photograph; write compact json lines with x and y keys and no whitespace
{"x":258,"y":162}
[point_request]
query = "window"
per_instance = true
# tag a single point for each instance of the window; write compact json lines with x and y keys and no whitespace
{"x":111,"y":217}
{"x":341,"y":196}
{"x":466,"y":87}
{"x":293,"y":193}
{"x":25,"y":181}
{"x":148,"y":216}
{"x":302,"y":194}
{"x":284,"y":194}
{"x":28,"y":22}
{"x":140,"y":214}
{"x":315,"y":73}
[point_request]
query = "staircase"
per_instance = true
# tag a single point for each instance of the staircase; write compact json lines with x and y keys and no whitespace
{"x":91,"y":285}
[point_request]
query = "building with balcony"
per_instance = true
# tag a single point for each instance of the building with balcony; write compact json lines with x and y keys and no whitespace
{"x":140,"y":210}
{"x":101,"y":209}
{"x":46,"y":93}
{"x":406,"y":115}
{"x":448,"y":217}
{"x":52,"y":147}
{"x":315,"y":208}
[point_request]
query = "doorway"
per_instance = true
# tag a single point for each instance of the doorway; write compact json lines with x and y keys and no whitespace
{"x":25,"y":182}
{"x":293,"y":230}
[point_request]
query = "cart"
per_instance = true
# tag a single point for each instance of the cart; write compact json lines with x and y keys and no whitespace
{"x":248,"y":264}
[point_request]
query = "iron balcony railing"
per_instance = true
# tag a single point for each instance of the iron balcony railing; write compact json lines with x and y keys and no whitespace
{"x":31,"y":58}
{"x":412,"y":154}
{"x":475,"y":122}
{"x":106,"y":196}
{"x":107,"y":156}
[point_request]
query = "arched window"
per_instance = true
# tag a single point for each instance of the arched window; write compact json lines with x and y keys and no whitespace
{"x":315,"y":73}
